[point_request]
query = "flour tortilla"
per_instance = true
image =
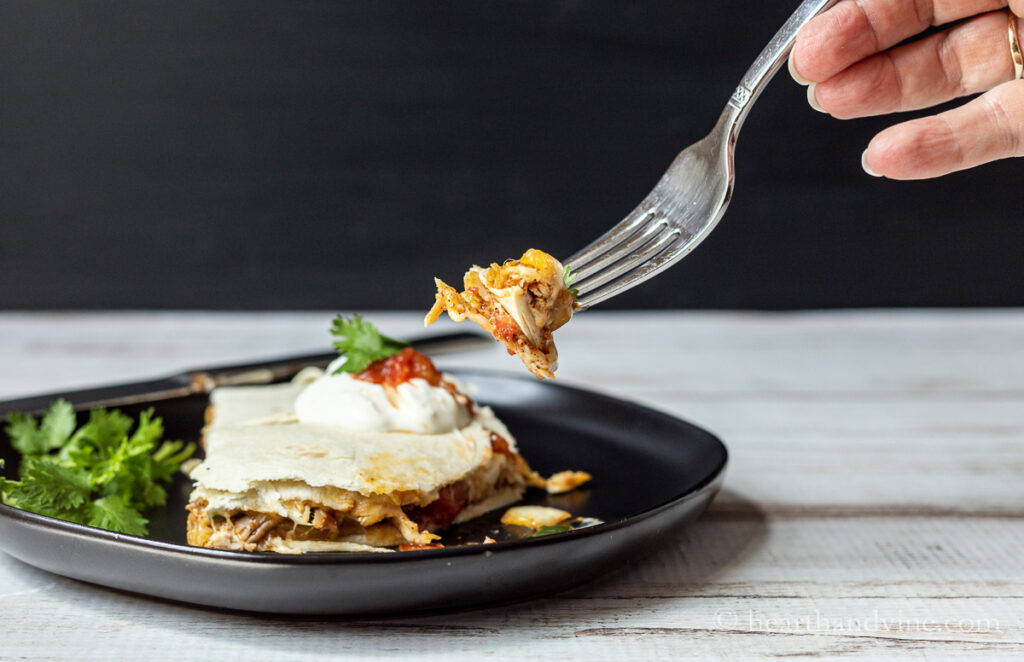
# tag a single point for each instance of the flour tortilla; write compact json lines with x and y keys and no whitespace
{"x":329,"y":456}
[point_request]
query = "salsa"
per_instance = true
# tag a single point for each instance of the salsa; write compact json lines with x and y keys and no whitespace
{"x":505,"y":328}
{"x":394,"y":370}
{"x":499,"y":445}
{"x":451,"y":499}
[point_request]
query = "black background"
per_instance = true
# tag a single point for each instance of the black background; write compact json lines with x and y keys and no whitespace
{"x":337,"y":155}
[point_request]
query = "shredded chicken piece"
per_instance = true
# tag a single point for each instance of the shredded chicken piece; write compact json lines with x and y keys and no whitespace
{"x":382,"y":520}
{"x":521,"y":303}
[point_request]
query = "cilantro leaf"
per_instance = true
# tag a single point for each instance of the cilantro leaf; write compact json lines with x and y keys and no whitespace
{"x":58,"y":424}
{"x":120,"y":465}
{"x":568,"y":277}
{"x":551,"y":530}
{"x":168,"y":458}
{"x":148,"y":432}
{"x":30,"y":437}
{"x":103,"y":474}
{"x":361,"y":343}
{"x":24,"y":433}
{"x":113,"y":514}
{"x":49,"y":488}
{"x":100,"y":436}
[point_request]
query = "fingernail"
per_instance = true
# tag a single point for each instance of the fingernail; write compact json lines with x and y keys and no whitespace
{"x":811,"y":99}
{"x":793,"y":72}
{"x":864,"y":164}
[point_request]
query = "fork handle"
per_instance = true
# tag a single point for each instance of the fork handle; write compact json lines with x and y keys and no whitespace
{"x":770,"y":59}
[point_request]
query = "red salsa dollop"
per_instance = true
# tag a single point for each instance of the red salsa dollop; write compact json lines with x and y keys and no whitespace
{"x":407,"y":364}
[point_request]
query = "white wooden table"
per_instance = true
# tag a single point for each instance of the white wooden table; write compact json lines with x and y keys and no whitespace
{"x":874,"y":505}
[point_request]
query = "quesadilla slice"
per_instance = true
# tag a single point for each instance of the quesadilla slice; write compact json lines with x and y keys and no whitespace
{"x":338,"y":461}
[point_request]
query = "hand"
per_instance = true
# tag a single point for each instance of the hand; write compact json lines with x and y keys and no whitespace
{"x":854,"y":64}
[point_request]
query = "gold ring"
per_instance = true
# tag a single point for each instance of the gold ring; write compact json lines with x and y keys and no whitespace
{"x":1018,"y":59}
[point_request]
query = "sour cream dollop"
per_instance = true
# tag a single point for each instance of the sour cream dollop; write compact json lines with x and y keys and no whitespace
{"x":413,"y":406}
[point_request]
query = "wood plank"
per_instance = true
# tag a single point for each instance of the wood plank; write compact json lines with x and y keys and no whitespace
{"x":871,"y":510}
{"x":815,"y":587}
{"x":925,"y":353}
{"x":707,"y":355}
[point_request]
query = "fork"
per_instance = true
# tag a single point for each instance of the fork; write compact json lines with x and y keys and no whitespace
{"x":691,"y":196}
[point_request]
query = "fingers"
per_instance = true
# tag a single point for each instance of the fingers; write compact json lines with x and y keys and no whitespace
{"x":851,"y":58}
{"x":856,"y":29}
{"x":972,"y":57}
{"x":988,"y":128}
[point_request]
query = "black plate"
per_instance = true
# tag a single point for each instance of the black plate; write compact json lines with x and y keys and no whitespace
{"x":652,"y":474}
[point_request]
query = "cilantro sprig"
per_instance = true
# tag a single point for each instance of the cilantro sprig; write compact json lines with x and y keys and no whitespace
{"x":102,"y":474}
{"x":361,"y":343}
{"x":568,"y":277}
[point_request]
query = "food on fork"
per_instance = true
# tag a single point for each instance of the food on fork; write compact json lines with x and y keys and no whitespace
{"x":380,"y":451}
{"x":520,"y":303}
